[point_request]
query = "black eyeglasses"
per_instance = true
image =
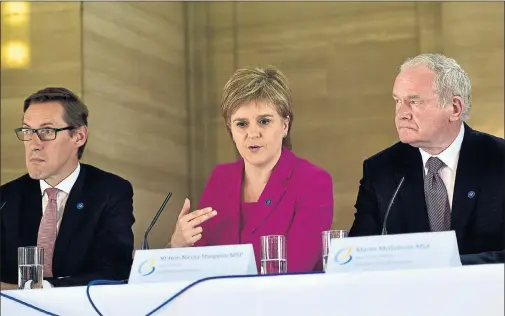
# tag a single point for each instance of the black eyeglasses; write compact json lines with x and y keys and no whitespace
{"x":44,"y":134}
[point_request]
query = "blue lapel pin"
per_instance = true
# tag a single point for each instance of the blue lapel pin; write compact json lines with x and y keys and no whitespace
{"x":268,"y":202}
{"x":80,"y":206}
{"x":471,"y":194}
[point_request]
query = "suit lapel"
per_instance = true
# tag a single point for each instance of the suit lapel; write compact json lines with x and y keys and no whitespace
{"x":232,"y":198}
{"x":31,"y":213}
{"x":273,"y":192}
{"x":72,"y":218}
{"x":467,"y":183}
{"x":412,"y":194}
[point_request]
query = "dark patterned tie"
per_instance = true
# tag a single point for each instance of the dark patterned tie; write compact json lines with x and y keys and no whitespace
{"x":437,"y":202}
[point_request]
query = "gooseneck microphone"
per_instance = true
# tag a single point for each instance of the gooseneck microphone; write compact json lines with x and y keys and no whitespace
{"x":384,"y":223}
{"x":145,"y":244}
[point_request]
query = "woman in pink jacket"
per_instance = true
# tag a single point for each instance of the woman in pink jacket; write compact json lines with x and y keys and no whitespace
{"x":270,"y":191}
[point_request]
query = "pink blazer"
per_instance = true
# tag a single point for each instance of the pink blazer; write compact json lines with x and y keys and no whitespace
{"x":297,"y":202}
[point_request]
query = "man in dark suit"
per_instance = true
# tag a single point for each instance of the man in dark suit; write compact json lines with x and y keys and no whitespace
{"x":453,"y":175}
{"x":81,"y":216}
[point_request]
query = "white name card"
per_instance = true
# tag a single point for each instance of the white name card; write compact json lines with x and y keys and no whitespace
{"x":191,"y":263}
{"x":394,"y":252}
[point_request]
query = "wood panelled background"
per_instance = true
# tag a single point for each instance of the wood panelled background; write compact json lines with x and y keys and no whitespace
{"x":134,"y":69}
{"x":152,"y":74}
{"x":472,"y":34}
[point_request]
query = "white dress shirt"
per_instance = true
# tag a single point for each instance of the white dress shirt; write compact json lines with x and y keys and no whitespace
{"x":450,"y":158}
{"x":64,"y":188}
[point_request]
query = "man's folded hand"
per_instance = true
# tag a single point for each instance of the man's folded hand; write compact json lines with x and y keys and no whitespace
{"x":8,"y":286}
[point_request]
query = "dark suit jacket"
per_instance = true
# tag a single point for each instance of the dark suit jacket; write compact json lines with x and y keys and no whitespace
{"x":95,"y":242}
{"x":478,"y":219}
{"x":297,"y":202}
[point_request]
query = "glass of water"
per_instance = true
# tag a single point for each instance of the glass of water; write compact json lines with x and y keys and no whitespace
{"x":273,"y":254}
{"x":30,"y":267}
{"x":328,"y":235}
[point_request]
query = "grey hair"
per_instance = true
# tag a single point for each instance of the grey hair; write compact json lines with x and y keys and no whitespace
{"x":450,"y":79}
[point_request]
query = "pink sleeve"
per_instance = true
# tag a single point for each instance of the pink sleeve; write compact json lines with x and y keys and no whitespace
{"x":313,"y":215}
{"x":206,"y":201}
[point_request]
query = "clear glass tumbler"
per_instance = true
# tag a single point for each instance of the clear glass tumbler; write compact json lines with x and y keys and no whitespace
{"x":328,"y":235}
{"x":273,"y":254}
{"x":30,"y":267}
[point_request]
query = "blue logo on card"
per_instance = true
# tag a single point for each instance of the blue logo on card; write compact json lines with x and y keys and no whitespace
{"x":343,"y":256}
{"x":147,"y":267}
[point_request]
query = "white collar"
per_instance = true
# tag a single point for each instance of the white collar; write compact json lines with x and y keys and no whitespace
{"x":451,"y":154}
{"x":65,"y":185}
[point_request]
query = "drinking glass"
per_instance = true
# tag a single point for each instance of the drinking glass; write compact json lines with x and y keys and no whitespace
{"x":30,"y":267}
{"x":273,"y":254}
{"x":328,"y":235}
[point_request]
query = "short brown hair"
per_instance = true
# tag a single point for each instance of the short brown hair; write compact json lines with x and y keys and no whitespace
{"x":258,"y":84}
{"x":75,"y":112}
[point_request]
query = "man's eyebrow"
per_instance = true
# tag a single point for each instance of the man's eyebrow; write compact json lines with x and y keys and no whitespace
{"x":46,"y":124}
{"x":414,"y":96}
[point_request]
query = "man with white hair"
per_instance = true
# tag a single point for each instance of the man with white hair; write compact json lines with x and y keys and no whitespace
{"x":453,"y":176}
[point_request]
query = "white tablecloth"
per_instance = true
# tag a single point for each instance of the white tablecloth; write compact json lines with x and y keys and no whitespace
{"x":470,"y":290}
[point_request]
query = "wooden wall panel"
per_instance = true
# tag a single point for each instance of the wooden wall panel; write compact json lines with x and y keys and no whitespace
{"x":473,"y":34}
{"x":223,"y":27}
{"x":201,"y":97}
{"x":134,"y":82}
{"x":55,"y":60}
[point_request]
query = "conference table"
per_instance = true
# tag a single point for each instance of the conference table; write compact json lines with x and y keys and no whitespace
{"x":466,"y":290}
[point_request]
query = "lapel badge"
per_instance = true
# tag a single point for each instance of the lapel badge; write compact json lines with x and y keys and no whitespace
{"x":80,"y":206}
{"x":268,"y":202}
{"x":471,"y":194}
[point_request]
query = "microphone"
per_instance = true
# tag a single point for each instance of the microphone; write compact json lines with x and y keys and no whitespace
{"x":384,"y":230}
{"x":145,"y":244}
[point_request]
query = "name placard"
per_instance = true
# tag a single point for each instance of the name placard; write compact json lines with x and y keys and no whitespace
{"x":394,"y":252}
{"x":191,"y":263}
